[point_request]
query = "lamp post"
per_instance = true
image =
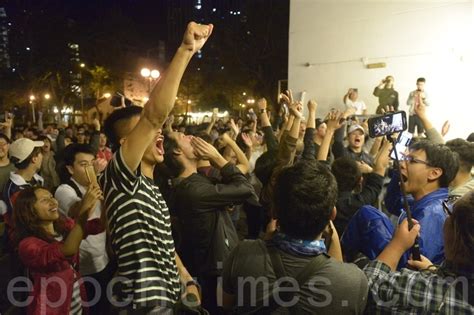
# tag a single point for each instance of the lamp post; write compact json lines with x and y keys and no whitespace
{"x":32,"y":102}
{"x":150,"y":75}
{"x":82,"y":66}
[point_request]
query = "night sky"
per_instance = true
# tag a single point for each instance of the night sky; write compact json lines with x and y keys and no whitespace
{"x":247,"y":51}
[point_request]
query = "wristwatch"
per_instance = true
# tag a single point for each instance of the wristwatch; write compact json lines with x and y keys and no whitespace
{"x":192,"y":282}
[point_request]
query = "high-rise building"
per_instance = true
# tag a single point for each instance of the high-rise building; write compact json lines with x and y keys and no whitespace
{"x":74,"y":72}
{"x":4,"y":27}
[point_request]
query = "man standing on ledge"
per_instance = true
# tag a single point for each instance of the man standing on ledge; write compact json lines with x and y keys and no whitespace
{"x":149,"y":270}
{"x":386,"y":94}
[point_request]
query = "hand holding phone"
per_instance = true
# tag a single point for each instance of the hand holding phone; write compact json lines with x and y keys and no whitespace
{"x":91,"y":176}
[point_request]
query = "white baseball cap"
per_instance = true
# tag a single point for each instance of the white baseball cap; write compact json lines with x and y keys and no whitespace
{"x":22,"y":148}
{"x":354,"y":128}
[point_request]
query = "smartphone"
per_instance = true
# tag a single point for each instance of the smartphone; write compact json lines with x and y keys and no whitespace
{"x":402,"y":144}
{"x":387,"y":124}
{"x":91,"y":176}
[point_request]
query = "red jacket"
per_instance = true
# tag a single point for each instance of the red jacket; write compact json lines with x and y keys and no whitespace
{"x":52,"y":273}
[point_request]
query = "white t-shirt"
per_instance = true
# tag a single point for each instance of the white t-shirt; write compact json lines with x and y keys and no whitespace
{"x":358,"y":105}
{"x":92,"y":253}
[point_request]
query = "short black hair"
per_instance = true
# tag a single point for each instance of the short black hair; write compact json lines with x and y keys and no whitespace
{"x":70,"y":153}
{"x":304,"y":197}
{"x":465,"y":150}
{"x":421,"y":80}
{"x":264,"y":166}
{"x":73,"y":149}
{"x":347,"y":173}
{"x":169,"y":145}
{"x":439,"y":155}
{"x":119,"y":115}
{"x":24,"y":164}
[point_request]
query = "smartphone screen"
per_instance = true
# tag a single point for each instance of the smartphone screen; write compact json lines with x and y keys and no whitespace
{"x":387,"y":124}
{"x":403,"y":142}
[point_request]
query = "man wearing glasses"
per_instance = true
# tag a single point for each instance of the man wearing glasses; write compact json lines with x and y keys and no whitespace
{"x":426,"y":170}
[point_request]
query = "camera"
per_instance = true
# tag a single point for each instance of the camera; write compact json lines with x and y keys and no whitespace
{"x":387,"y":124}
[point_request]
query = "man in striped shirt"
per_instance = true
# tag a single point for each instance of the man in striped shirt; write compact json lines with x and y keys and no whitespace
{"x":149,"y":270}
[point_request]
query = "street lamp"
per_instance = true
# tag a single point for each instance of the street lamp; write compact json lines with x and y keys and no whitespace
{"x":82,"y":66}
{"x":32,"y":102}
{"x":47,"y":96}
{"x":150,"y":75}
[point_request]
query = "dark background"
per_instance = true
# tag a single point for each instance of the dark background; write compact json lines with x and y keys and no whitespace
{"x":248,"y":51}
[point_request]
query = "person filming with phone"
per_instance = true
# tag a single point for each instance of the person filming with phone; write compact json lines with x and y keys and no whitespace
{"x":386,"y":94}
{"x":412,"y":102}
{"x":426,"y":171}
{"x":78,"y":191}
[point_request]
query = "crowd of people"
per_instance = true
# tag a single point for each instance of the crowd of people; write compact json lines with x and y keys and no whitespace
{"x":266,"y":214}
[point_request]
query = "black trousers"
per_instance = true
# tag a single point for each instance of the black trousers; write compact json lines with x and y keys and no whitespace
{"x":103,"y":277}
{"x":415,"y":121}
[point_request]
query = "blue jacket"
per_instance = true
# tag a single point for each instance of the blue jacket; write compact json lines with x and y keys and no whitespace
{"x":428,"y":211}
{"x":370,"y":230}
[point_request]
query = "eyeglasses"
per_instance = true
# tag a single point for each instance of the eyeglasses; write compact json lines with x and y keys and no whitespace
{"x":412,"y":160}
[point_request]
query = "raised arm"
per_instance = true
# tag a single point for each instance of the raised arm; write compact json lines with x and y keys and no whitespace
{"x":378,"y":88}
{"x":335,"y":121}
{"x":309,"y":150}
{"x":163,"y":96}
{"x":73,"y":240}
{"x":242,"y":161}
{"x":95,"y":138}
{"x":431,"y":132}
{"x":211,"y":124}
{"x":269,"y":136}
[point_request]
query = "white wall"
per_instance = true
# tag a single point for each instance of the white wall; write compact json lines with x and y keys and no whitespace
{"x":431,"y":39}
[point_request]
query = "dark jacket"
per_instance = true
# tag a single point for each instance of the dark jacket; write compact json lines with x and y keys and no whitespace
{"x":348,"y":202}
{"x":340,"y":150}
{"x":207,"y":231}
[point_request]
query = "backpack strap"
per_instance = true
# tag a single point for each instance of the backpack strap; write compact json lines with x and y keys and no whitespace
{"x":74,"y":186}
{"x":303,"y":276}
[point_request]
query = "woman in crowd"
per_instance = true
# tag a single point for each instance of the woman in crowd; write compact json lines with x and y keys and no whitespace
{"x":48,"y":248}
